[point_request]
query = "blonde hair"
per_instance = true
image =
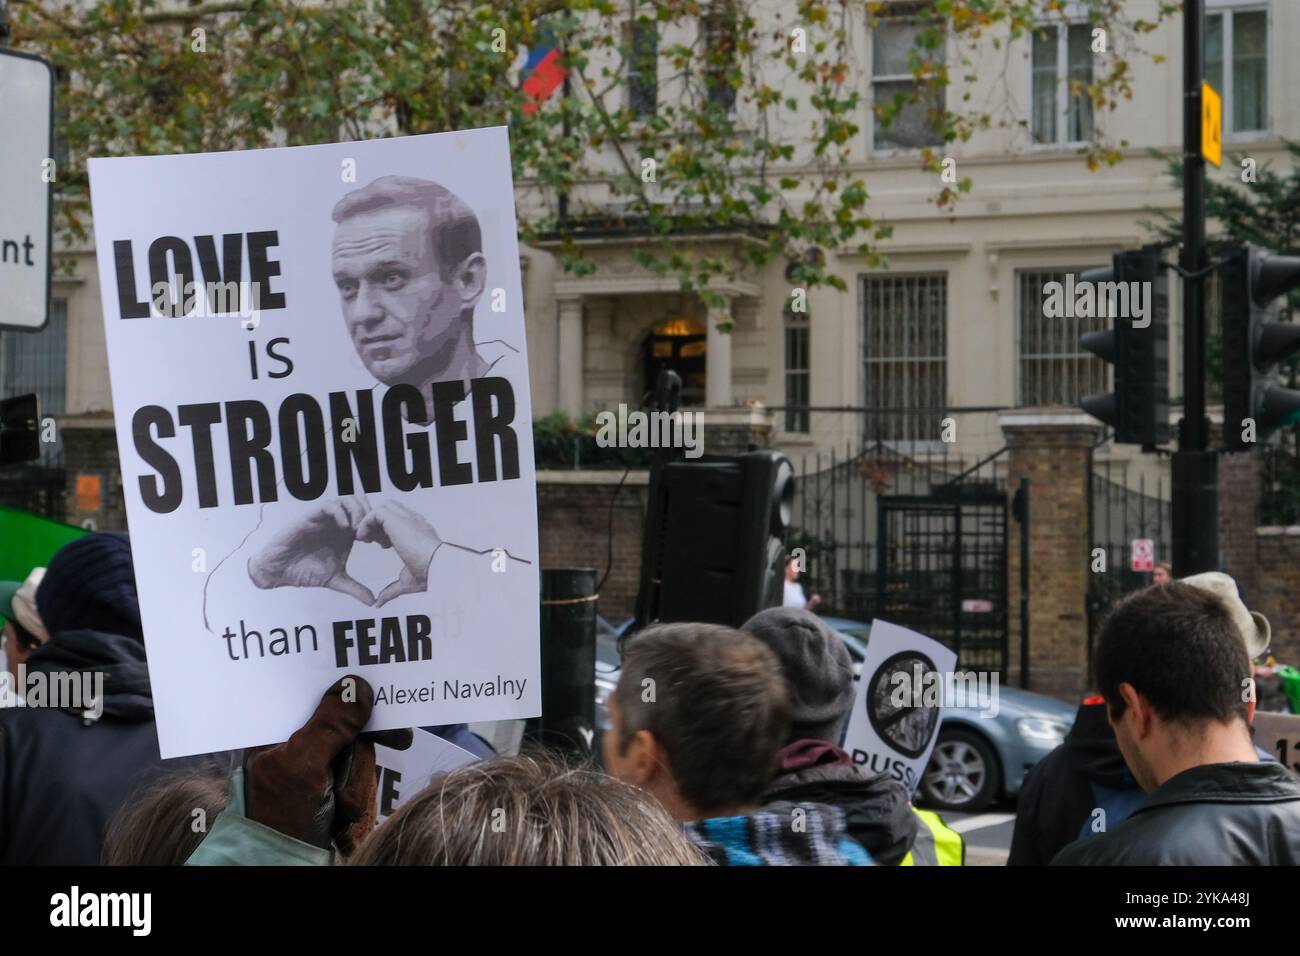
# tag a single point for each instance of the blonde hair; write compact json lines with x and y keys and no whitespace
{"x":529,"y":810}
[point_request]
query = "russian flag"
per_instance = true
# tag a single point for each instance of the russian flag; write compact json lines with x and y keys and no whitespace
{"x":543,"y":73}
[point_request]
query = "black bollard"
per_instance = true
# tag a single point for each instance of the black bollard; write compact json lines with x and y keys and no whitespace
{"x":568,"y":662}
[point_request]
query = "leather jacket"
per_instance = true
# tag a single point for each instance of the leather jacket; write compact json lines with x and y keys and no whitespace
{"x":1224,"y":814}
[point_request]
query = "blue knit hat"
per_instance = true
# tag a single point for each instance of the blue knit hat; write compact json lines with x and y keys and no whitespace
{"x":90,"y":584}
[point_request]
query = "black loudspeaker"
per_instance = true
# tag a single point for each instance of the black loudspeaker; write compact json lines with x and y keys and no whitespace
{"x":714,"y":548}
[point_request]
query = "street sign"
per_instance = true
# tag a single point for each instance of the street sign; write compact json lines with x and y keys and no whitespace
{"x":27,"y":130}
{"x":1142,"y":554}
{"x":1279,"y":734}
{"x":1211,"y":125}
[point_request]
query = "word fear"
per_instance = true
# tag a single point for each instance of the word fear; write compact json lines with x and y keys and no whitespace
{"x":383,"y":641}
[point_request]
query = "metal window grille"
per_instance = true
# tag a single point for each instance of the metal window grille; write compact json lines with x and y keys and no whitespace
{"x":1054,"y":370}
{"x":905,"y":348}
{"x":797,"y":371}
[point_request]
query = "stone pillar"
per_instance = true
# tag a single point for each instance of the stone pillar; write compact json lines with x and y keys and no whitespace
{"x":570,"y":357}
{"x":1051,"y":447}
{"x":717,"y":389}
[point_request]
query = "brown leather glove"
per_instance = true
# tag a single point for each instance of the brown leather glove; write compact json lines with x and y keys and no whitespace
{"x":319,"y":786}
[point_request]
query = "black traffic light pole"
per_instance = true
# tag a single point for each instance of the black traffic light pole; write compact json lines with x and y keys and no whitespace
{"x":1195,"y":467}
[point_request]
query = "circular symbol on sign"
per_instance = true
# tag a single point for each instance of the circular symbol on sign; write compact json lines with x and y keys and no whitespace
{"x":897,"y":698}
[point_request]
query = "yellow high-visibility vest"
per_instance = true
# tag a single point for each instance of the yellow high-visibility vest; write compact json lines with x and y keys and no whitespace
{"x":936,"y":844}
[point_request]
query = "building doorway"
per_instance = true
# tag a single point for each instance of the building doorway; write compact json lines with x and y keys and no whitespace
{"x":678,"y":344}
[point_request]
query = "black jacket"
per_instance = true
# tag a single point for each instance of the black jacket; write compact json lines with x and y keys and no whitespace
{"x":62,"y":776}
{"x":1223,"y":814}
{"x":877,"y":812}
{"x":1063,"y":791}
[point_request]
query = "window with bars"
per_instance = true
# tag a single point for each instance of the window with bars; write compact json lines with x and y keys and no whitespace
{"x":1061,"y":68}
{"x":892,"y":80}
{"x":797,"y":369}
{"x":1054,"y":370}
{"x":38,"y":362}
{"x":1236,"y":65}
{"x":643,"y":67}
{"x":905,"y":349}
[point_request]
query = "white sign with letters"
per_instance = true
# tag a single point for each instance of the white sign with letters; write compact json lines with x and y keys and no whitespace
{"x":27,"y":172}
{"x":320,"y":389}
{"x":404,"y":773}
{"x":1279,"y":735}
{"x":905,"y":680}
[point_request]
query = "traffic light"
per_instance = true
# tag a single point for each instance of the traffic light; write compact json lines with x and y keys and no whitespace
{"x":714,"y":547}
{"x":1254,"y":342}
{"x":1137,"y":345}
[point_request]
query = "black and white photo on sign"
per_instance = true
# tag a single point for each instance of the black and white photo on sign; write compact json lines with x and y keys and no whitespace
{"x":344,"y":484}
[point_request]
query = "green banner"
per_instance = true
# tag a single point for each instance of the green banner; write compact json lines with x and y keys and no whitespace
{"x":28,"y":541}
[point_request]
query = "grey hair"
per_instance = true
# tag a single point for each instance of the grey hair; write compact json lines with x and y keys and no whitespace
{"x":529,"y":810}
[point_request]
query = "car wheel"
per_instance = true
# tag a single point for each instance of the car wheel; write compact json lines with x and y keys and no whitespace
{"x":963,"y":773}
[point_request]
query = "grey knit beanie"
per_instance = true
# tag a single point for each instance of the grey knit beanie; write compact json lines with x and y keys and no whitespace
{"x":816,"y":665}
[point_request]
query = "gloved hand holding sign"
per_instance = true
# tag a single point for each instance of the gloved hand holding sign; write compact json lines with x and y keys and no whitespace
{"x":319,"y":786}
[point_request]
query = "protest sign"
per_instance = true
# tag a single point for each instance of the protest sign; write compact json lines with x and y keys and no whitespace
{"x":1279,"y":735}
{"x":321,"y":397}
{"x":901,"y":692}
{"x":402,"y":774}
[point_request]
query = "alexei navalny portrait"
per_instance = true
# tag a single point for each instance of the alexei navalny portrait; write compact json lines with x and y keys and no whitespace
{"x":410,"y":270}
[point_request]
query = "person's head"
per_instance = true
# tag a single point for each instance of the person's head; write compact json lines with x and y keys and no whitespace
{"x":165,"y":823}
{"x":698,"y":718}
{"x":816,"y":666}
{"x":1174,"y":672}
{"x":24,"y":631}
{"x":90,"y":584}
{"x":1162,"y":574}
{"x":791,"y":569}
{"x":408,"y":263}
{"x":529,"y":810}
{"x":1256,"y":633}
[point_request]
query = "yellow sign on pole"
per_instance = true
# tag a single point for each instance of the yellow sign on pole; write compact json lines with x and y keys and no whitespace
{"x":1211,"y":124}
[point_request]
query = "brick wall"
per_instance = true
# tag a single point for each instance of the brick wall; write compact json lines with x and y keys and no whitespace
{"x":1265,"y":561}
{"x":573,"y":512}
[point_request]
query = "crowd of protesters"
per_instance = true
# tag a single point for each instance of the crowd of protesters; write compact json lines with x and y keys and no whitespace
{"x":723,"y":749}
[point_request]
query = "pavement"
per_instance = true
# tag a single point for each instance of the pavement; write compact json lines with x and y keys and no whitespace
{"x":987,"y":834}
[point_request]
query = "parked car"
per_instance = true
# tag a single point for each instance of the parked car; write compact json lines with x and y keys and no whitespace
{"x":977,"y":759}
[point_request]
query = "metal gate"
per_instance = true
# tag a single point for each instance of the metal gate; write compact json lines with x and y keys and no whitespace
{"x":911,"y":536}
{"x":943,"y":570}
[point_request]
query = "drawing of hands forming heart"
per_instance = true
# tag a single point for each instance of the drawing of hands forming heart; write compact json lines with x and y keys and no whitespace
{"x":313,"y":550}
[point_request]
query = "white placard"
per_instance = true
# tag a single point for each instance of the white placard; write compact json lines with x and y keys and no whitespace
{"x":1279,"y":735}
{"x":905,"y":679}
{"x":1142,"y":554}
{"x":26,"y":175}
{"x":320,"y":389}
{"x":404,"y":773}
